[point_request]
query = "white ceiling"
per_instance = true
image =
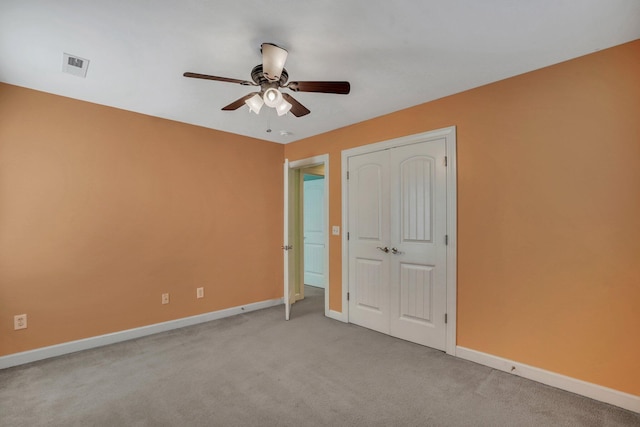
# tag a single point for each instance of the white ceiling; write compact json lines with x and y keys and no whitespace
{"x":395,"y":54}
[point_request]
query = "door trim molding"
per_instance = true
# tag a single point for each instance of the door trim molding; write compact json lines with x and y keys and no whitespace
{"x":449,"y":133}
{"x":322,"y":159}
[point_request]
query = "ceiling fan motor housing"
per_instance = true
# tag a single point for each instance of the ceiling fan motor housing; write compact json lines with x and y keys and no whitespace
{"x":258,"y":77}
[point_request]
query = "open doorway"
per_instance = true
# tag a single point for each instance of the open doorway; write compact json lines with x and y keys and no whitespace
{"x":309,"y":229}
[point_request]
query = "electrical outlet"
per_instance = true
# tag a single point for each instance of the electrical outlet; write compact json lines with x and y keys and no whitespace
{"x":199,"y":292}
{"x":20,"y":321}
{"x":165,"y":298}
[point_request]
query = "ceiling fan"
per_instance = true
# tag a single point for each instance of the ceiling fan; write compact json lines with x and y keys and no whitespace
{"x":270,"y":76}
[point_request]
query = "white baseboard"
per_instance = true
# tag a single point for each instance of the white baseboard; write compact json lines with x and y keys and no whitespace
{"x":593,"y":391}
{"x":101,"y":340}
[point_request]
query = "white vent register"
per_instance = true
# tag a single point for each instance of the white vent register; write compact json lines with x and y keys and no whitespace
{"x":72,"y":64}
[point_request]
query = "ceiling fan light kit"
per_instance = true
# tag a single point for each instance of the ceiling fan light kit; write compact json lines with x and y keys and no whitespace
{"x":270,"y":76}
{"x":272,"y":98}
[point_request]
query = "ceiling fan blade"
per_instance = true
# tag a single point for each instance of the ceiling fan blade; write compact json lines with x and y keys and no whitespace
{"x":238,"y":103}
{"x":297,"y":109}
{"x":273,"y":59}
{"x":342,"y":88}
{"x":220,"y":79}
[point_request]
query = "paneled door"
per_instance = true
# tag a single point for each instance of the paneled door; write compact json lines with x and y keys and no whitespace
{"x":369,"y":240}
{"x":397,"y":251}
{"x":313,"y":231}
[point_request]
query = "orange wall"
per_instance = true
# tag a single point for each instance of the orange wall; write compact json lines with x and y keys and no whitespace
{"x":103,"y":210}
{"x":548,"y":212}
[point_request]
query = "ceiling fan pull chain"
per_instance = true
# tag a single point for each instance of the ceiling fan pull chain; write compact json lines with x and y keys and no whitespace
{"x":268,"y":120}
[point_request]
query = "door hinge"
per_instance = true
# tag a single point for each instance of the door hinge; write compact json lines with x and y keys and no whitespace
{"x":347,"y":174}
{"x":347,"y":296}
{"x":445,"y":161}
{"x":347,"y":235}
{"x":446,"y":239}
{"x":445,"y":318}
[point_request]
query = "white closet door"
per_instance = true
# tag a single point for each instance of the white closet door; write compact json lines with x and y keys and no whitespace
{"x":418,"y":256}
{"x":397,"y":251}
{"x":368,"y":236}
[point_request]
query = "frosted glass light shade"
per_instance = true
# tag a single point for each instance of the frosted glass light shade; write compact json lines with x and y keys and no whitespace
{"x":283,"y":108}
{"x":255,"y":103}
{"x":272,"y":97}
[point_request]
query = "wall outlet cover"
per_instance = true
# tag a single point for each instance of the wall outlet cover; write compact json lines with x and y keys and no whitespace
{"x":20,"y":321}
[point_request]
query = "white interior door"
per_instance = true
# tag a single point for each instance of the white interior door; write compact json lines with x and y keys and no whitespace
{"x":418,"y":252}
{"x":397,"y":253}
{"x":313,"y":225}
{"x":368,"y":227}
{"x":288,"y":274}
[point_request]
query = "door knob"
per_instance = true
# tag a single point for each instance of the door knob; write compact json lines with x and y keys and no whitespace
{"x":385,"y":249}
{"x":395,"y":251}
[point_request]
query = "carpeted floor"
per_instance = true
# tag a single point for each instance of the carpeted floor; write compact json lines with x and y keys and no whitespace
{"x":256,"y":369}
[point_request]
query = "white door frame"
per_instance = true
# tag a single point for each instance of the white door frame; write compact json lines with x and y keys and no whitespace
{"x":449,"y":134}
{"x":295,"y":198}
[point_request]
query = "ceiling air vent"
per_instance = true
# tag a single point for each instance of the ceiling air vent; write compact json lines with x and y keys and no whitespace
{"x":74,"y":65}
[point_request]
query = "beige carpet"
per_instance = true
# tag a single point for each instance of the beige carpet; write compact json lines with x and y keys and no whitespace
{"x":258,"y":370}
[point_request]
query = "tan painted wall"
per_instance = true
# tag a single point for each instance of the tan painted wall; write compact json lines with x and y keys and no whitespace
{"x":103,"y":210}
{"x":548,"y":212}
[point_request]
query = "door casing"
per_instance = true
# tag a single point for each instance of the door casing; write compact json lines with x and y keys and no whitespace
{"x":295,"y":168}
